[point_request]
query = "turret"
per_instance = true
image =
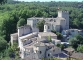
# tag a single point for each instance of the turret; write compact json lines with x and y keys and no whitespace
{"x":23,"y":30}
{"x":64,"y":14}
{"x":47,"y":27}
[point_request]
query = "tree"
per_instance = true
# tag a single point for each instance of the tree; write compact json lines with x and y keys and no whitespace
{"x":59,"y":35}
{"x":80,"y":48}
{"x":21,"y":22}
{"x":3,"y":1}
{"x":73,"y":42}
{"x":40,"y":25}
{"x":3,"y":44}
{"x":76,"y":41}
{"x":53,"y":31}
{"x":62,"y":46}
{"x":49,"y":39}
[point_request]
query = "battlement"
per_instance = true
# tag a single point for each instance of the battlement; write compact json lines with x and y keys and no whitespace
{"x":63,"y":11}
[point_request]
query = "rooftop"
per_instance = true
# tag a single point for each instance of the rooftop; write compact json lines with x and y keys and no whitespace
{"x":61,"y":55}
{"x":14,"y":34}
{"x":54,"y":48}
{"x":49,"y":44}
{"x":77,"y":55}
{"x":47,"y":34}
{"x":46,"y":19}
{"x":28,"y":36}
{"x":23,"y":26}
{"x":69,"y":49}
{"x":39,"y":44}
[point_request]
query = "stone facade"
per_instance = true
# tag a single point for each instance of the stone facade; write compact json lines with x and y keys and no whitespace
{"x":61,"y":22}
{"x":33,"y":42}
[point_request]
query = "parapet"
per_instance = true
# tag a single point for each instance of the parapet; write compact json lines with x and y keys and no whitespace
{"x":64,"y":11}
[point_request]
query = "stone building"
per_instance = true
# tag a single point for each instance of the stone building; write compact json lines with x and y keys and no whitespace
{"x":61,"y":22}
{"x":36,"y":45}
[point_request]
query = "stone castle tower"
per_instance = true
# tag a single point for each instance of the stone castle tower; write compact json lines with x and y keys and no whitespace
{"x":47,"y":27}
{"x":64,"y":14}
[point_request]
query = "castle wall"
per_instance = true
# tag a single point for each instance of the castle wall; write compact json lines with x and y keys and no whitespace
{"x":40,"y":51}
{"x":63,"y":24}
{"x":64,"y":14}
{"x":20,"y":31}
{"x":24,"y":30}
{"x":32,"y":22}
{"x":47,"y":27}
{"x":14,"y":38}
{"x":51,"y":52}
{"x":57,"y":28}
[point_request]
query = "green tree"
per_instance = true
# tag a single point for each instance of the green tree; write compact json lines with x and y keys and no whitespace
{"x":49,"y":39}
{"x":73,"y":42}
{"x":21,"y":22}
{"x":53,"y":31}
{"x":3,"y":44}
{"x":62,"y":46}
{"x":3,"y":1}
{"x":40,"y":25}
{"x":76,"y":41}
{"x":59,"y":35}
{"x":80,"y":48}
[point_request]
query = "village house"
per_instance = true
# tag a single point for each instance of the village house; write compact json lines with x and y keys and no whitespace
{"x":70,"y":33}
{"x":36,"y":45}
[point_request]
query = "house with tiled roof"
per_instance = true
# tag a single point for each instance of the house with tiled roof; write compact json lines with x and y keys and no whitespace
{"x":35,"y":45}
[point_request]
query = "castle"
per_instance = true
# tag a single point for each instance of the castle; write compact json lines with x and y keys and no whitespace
{"x":36,"y":45}
{"x":61,"y":22}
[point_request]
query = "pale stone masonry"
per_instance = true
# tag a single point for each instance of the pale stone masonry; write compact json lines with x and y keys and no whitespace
{"x":61,"y":22}
{"x":35,"y":45}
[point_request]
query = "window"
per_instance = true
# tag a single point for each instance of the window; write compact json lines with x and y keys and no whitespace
{"x":54,"y":20}
{"x":45,"y":27}
{"x":72,"y":30}
{"x":36,"y":51}
{"x":48,"y":54}
{"x":53,"y":50}
{"x":40,"y":52}
{"x":48,"y":27}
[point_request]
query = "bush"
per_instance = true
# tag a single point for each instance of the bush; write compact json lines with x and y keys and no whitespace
{"x":3,"y":44}
{"x":59,"y":35}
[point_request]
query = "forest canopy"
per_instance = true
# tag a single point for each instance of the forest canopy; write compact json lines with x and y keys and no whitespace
{"x":12,"y":11}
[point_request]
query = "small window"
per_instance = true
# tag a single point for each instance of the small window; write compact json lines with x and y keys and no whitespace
{"x":48,"y":54}
{"x":53,"y":50}
{"x":40,"y":52}
{"x":54,"y":20}
{"x":45,"y":27}
{"x":48,"y":27}
{"x":72,"y":30}
{"x":36,"y":51}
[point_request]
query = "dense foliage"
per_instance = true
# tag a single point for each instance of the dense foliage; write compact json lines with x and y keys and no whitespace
{"x":80,"y":48}
{"x":3,"y":44}
{"x":13,"y":14}
{"x":10,"y":14}
{"x":76,"y":42}
{"x":40,"y":25}
{"x":21,"y":22}
{"x":3,"y":1}
{"x":59,"y":35}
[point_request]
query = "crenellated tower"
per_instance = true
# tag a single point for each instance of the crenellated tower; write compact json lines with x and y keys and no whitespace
{"x":64,"y":14}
